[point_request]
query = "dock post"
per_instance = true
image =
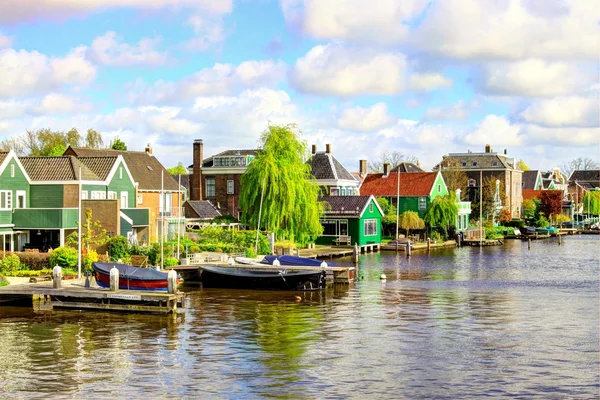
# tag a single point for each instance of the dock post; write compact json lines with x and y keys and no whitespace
{"x":529,"y":244}
{"x":428,"y":245}
{"x":559,"y":240}
{"x":172,"y":281}
{"x":114,"y":279}
{"x":408,"y":249}
{"x":355,"y":253}
{"x":57,"y":277}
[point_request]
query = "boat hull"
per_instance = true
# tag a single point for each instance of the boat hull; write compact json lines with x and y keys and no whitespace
{"x":237,"y":278}
{"x":132,"y":278}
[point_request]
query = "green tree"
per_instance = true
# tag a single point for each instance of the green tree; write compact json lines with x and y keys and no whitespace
{"x":442,"y":212}
{"x":410,"y":220}
{"x":57,"y":151}
{"x":92,"y":234}
{"x":454,"y":176}
{"x":281,"y":178}
{"x":522,"y":166}
{"x":177,"y":170}
{"x":118,"y":144}
{"x":528,"y":208}
{"x":591,"y":202}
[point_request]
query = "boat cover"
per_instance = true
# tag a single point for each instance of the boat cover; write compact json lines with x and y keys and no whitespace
{"x":130,"y":272}
{"x":295,"y":261}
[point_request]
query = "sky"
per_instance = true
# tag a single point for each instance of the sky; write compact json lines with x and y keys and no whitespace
{"x":424,"y":78}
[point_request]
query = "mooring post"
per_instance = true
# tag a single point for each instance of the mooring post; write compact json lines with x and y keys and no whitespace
{"x":529,"y":244}
{"x":559,"y":239}
{"x":408,"y":249}
{"x":114,"y":279}
{"x":57,"y":277}
{"x":355,"y":253}
{"x":428,"y":244}
{"x":172,"y":281}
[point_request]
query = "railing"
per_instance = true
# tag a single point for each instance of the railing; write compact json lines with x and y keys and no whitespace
{"x":173,"y":212}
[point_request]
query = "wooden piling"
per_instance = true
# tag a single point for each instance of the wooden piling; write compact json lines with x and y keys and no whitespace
{"x":172,"y":282}
{"x":428,"y":245}
{"x":355,"y":253}
{"x":114,"y":279}
{"x":408,"y":248}
{"x":529,"y":244}
{"x":57,"y":277}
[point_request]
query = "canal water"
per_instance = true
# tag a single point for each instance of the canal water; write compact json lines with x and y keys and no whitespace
{"x":462,"y":323}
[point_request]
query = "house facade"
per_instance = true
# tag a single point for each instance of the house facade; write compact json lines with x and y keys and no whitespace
{"x":331,"y":176}
{"x":355,"y":217}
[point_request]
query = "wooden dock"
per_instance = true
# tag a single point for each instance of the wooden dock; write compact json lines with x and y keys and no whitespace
{"x":75,"y":295}
{"x":482,"y":242}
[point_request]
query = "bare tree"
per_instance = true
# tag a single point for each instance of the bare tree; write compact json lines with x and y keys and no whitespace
{"x":579,"y":164}
{"x":454,"y":176}
{"x":93,"y":139}
{"x":393,"y":158}
{"x":12,"y":143}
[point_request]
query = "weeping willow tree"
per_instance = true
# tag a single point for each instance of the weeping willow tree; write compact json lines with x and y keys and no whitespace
{"x":281,"y":180}
{"x":442,"y":212}
{"x":410,"y":220}
{"x":591,"y":202}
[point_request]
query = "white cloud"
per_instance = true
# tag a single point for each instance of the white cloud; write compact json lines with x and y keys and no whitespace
{"x":491,"y":29}
{"x":354,"y":20}
{"x":108,"y":50}
{"x":12,"y":108}
{"x":340,"y":71}
{"x":495,"y":129}
{"x":221,"y":79}
{"x":574,"y":111}
{"x":56,"y":103}
{"x":23,"y":73}
{"x":429,"y":81}
{"x":458,"y":111}
{"x":5,"y":41}
{"x":533,"y":77}
{"x":14,"y":11}
{"x":208,"y":29}
{"x":564,"y":137}
{"x":365,"y":119}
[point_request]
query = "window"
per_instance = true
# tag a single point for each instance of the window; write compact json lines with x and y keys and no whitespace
{"x":112,"y":195}
{"x":334,"y":192}
{"x":343,"y":224}
{"x":495,"y":163}
{"x":98,"y":195}
{"x":21,"y":199}
{"x":12,"y":171}
{"x":474,"y":163}
{"x":166,"y":204}
{"x":464,"y":163}
{"x":422,"y":203}
{"x":124,"y":200}
{"x":210,"y":187}
{"x":140,"y":199}
{"x":5,"y":200}
{"x":329,"y":227}
{"x":84,"y":195}
{"x":371,"y":207}
{"x":472,"y":183}
{"x":439,"y":188}
{"x":120,"y":172}
{"x":230,"y":187}
{"x":343,"y":192}
{"x":370,"y":227}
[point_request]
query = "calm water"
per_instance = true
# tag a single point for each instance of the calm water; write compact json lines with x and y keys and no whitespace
{"x":465,"y":323}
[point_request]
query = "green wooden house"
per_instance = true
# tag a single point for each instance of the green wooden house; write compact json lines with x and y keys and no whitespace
{"x":351,"y":220}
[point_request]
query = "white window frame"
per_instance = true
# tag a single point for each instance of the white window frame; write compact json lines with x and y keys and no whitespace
{"x":21,"y":194}
{"x":422,"y":203}
{"x":230,"y":186}
{"x":120,"y":172}
{"x":98,"y":195}
{"x":5,"y":199}
{"x":12,"y":170}
{"x":334,"y":191}
{"x":370,"y":227}
{"x":124,"y":199}
{"x":84,"y":195}
{"x":112,"y":195}
{"x":166,"y":202}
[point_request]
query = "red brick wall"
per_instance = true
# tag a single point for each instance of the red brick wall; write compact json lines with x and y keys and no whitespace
{"x":226,"y":203}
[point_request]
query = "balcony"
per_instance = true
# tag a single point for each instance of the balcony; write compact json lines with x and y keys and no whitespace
{"x":45,"y":218}
{"x":173,"y":212}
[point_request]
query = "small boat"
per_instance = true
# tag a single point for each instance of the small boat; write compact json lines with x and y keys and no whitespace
{"x":131,"y":278}
{"x":243,"y":278}
{"x":295,"y":261}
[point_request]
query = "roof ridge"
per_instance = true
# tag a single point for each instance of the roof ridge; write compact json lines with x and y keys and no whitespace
{"x":330,"y":158}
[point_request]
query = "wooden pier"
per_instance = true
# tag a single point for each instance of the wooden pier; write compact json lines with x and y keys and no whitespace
{"x":75,"y":295}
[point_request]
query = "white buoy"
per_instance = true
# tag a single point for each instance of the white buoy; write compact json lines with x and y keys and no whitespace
{"x":56,"y":277}
{"x":172,"y":281}
{"x":382,"y":277}
{"x":230,"y":261}
{"x":276,"y":263}
{"x":324,"y":264}
{"x":114,"y":279}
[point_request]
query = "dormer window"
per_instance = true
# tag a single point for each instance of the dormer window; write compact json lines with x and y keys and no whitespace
{"x":464,"y":163}
{"x":494,"y":163}
{"x":474,"y":163}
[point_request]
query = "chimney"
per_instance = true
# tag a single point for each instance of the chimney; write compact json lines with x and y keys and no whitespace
{"x":314,"y":149}
{"x":386,"y":169}
{"x":328,"y":148}
{"x":488,"y":148}
{"x":504,"y":151}
{"x":197,"y":170}
{"x":148,"y":149}
{"x":362,"y":167}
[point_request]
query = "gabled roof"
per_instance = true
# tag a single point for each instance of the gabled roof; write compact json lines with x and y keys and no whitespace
{"x":101,"y":166}
{"x":325,"y":166}
{"x":482,"y":161}
{"x":529,"y":179}
{"x":65,"y":168}
{"x":204,"y":209}
{"x":347,"y":206}
{"x":586,"y":176}
{"x":411,"y":184}
{"x":407,"y":167}
{"x":145,"y":168}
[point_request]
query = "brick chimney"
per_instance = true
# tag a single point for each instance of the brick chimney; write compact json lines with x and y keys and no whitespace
{"x":148,"y":149}
{"x":314,"y":149}
{"x":362,"y":167}
{"x":488,"y":148}
{"x":328,"y":148}
{"x":197,"y":170}
{"x":386,"y":169}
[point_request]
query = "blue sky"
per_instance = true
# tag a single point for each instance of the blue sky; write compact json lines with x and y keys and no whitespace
{"x":420,"y":77}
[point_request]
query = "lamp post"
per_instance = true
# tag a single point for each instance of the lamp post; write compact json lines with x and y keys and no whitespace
{"x":397,"y":202}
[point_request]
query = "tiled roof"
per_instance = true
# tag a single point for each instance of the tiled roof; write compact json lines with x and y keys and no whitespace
{"x":407,"y":167}
{"x":3,"y":155}
{"x":326,"y":166}
{"x":586,"y":175}
{"x":347,"y":206}
{"x":529,"y":179}
{"x":101,"y":166}
{"x":57,"y":169}
{"x":145,"y":168}
{"x":482,"y":161}
{"x":203,"y":209}
{"x":411,"y":184}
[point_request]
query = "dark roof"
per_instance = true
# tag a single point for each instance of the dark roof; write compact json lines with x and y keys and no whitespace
{"x":145,"y":168}
{"x":411,"y":184}
{"x":529,"y":179}
{"x":482,"y":160}
{"x":326,"y":166}
{"x":101,"y":166}
{"x":208,"y":162}
{"x":3,"y":155}
{"x":203,"y":209}
{"x":407,"y":167}
{"x":347,"y":206}
{"x":57,"y":169}
{"x":585,"y":175}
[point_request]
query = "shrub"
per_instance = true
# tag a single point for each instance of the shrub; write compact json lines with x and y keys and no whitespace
{"x":64,"y":257}
{"x":10,"y":263}
{"x":118,"y":247}
{"x":35,"y":261}
{"x":171,"y":262}
{"x":250,"y":253}
{"x":90,"y":257}
{"x":194,"y":249}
